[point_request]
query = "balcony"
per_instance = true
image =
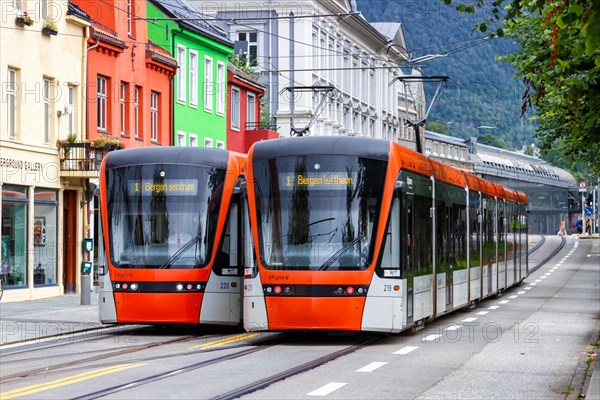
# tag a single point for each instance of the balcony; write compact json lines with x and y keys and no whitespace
{"x":82,"y":159}
{"x":257,"y":131}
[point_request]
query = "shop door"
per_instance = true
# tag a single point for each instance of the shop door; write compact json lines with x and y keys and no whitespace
{"x":70,"y":208}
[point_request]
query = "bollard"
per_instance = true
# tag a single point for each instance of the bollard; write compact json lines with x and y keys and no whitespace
{"x":86,"y":297}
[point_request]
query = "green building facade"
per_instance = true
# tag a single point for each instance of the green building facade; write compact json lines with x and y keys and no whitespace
{"x":201,"y":49}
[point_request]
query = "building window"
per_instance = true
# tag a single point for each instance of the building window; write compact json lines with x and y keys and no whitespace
{"x":18,"y":5}
{"x":44,"y":9}
{"x":221,"y":87}
{"x":11,"y":103}
{"x":250,"y":51}
{"x":208,"y":143}
{"x":347,"y":72}
{"x":193,"y":78}
{"x":123,"y":103}
{"x":180,"y":138}
{"x":220,"y":144}
{"x":235,"y":108}
{"x":251,"y":111}
{"x":154,"y":115}
{"x":71,"y":109}
{"x":14,"y":234}
{"x":45,"y":235}
{"x":129,"y":11}
{"x":47,"y":113}
{"x":181,"y":75}
{"x":315,"y":50}
{"x":137,"y":105}
{"x":208,"y":84}
{"x":102,"y":102}
{"x":193,"y":140}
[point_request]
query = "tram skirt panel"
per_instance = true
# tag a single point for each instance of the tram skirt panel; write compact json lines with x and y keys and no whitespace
{"x":385,"y":308}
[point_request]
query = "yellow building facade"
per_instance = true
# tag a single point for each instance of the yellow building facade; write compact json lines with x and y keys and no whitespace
{"x":43,"y":214}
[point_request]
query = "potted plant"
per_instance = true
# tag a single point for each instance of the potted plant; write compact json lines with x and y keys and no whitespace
{"x":100,"y":142}
{"x":24,"y":19}
{"x":65,"y":145}
{"x":49,"y":28}
{"x":108,"y":143}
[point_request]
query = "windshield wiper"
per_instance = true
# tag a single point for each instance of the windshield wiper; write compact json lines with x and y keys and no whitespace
{"x":336,"y":256}
{"x":186,"y":246}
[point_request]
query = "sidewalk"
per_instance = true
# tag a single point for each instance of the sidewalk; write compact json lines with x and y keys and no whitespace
{"x":37,"y":319}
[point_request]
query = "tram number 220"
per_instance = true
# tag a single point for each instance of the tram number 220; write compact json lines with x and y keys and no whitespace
{"x":387,"y":288}
{"x":224,"y":285}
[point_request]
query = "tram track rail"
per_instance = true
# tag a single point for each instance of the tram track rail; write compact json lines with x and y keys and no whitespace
{"x":242,"y":390}
{"x":171,"y":373}
{"x":553,"y":253}
{"x":77,"y":335}
{"x":265,"y":382}
{"x":115,"y":353}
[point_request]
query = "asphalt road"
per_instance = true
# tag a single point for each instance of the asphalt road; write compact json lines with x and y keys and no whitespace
{"x":533,"y":341}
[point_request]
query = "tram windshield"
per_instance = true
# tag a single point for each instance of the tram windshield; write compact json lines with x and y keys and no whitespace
{"x":318,"y":212}
{"x":163,"y":216}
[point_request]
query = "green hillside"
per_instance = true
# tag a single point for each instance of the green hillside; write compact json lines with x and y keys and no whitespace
{"x":482,"y":91}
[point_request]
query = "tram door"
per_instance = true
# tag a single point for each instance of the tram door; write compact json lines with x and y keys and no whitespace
{"x":408,"y":249}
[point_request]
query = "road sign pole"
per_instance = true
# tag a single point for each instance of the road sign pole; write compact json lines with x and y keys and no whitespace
{"x":583,"y":213}
{"x":594,"y":213}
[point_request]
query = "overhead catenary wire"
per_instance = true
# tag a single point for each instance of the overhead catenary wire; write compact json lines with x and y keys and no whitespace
{"x":360,"y":57}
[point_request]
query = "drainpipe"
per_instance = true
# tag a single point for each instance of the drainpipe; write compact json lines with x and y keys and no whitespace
{"x":85,"y":280}
{"x":174,"y":32}
{"x":270,"y":66}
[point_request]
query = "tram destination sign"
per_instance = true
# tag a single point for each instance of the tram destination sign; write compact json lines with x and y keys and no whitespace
{"x":149,"y":187}
{"x":318,"y":181}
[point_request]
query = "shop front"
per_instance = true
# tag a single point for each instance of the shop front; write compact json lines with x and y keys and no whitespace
{"x":31,"y":224}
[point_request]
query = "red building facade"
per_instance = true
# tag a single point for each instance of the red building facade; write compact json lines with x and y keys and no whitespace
{"x":244,"y":112}
{"x":129,"y":78}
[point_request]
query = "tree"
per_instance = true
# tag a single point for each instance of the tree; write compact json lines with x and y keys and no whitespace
{"x":491,"y":140}
{"x":438,"y":127}
{"x":559,"y":60}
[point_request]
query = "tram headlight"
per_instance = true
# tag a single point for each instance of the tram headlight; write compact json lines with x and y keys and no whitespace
{"x":277,"y":289}
{"x":349,"y":290}
{"x":125,"y":286}
{"x":288,"y":290}
{"x":179,"y":286}
{"x":189,"y":286}
{"x":339,"y":290}
{"x":133,"y":286}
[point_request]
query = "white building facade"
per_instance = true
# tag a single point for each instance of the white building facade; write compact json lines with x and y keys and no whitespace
{"x":334,"y":48}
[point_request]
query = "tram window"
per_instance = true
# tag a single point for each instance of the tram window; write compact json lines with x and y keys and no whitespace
{"x":450,"y":220}
{"x":391,"y":252}
{"x":318,"y":212}
{"x":475,"y":234}
{"x":417,"y":227}
{"x":227,"y":259}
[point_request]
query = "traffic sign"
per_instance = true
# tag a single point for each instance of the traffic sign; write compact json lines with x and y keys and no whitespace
{"x":86,"y":267}
{"x":589,"y":211}
{"x":582,"y":186}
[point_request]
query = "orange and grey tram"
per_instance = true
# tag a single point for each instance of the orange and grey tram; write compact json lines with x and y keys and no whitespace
{"x":170,"y":222}
{"x":362,"y":234}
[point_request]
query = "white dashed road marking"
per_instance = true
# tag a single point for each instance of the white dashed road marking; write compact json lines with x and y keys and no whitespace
{"x":371,"y":367}
{"x":325,"y":390}
{"x":406,"y":349}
